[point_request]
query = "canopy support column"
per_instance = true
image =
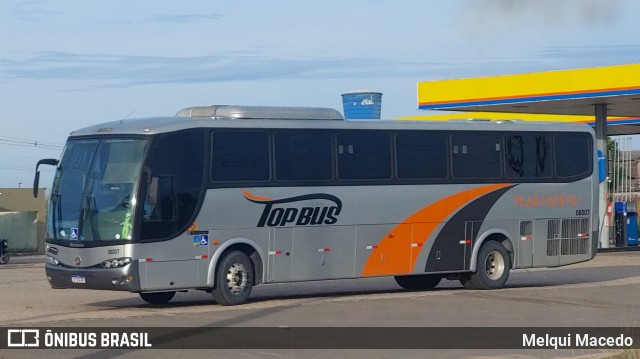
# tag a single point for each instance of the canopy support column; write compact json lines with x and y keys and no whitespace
{"x":601,"y":144}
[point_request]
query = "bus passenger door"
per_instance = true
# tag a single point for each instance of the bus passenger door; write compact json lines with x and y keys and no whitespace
{"x":280,"y":255}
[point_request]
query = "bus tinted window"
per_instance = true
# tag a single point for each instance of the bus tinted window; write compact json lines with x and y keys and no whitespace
{"x":421,"y":155}
{"x":364,"y":155}
{"x":573,"y":154}
{"x":476,"y":155}
{"x":528,"y":156}
{"x":303,"y":156}
{"x":176,"y":166}
{"x":240,"y":156}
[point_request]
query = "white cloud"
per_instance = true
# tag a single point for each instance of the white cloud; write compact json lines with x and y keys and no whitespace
{"x":105,"y":70}
{"x":185,"y":18}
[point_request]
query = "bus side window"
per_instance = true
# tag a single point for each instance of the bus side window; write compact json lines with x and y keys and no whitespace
{"x":421,"y":155}
{"x":177,"y":161}
{"x":476,"y":155}
{"x":528,"y":156}
{"x":241,"y":156}
{"x":159,"y":203}
{"x":159,"y":212}
{"x":364,"y":155}
{"x":573,"y":155}
{"x":303,"y":156}
{"x":165,"y":197}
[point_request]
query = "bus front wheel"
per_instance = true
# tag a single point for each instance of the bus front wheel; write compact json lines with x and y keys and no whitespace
{"x":417,"y":282}
{"x":234,"y":279}
{"x":492,"y":270}
{"x":157,"y":297}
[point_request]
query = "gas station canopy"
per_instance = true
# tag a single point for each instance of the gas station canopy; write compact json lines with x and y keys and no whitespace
{"x":583,"y":95}
{"x":566,"y":92}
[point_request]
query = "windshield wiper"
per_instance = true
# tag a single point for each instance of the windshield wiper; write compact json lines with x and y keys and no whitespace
{"x":89,"y":212}
{"x":57,"y":214}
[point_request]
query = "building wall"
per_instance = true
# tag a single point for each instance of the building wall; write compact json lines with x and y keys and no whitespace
{"x":21,"y":229}
{"x":22,"y":200}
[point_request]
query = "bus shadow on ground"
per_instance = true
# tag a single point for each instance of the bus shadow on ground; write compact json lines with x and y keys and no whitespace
{"x":387,"y":285}
{"x":567,"y":276}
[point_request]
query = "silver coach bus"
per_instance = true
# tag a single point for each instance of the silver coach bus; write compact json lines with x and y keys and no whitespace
{"x":223,"y":198}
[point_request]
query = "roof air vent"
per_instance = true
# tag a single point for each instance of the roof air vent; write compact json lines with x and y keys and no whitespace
{"x":261,"y":112}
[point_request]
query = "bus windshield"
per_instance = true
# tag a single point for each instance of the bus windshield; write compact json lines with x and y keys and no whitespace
{"x":94,"y":190}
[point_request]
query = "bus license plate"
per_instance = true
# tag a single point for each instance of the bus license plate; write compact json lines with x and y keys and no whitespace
{"x":79,"y":279}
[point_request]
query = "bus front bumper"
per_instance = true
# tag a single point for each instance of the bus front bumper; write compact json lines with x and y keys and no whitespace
{"x":125,"y":278}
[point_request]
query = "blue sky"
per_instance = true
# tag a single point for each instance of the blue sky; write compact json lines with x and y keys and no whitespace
{"x":69,"y":64}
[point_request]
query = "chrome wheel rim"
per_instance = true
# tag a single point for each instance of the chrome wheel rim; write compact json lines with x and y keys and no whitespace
{"x":494,"y":265}
{"x":237,"y":278}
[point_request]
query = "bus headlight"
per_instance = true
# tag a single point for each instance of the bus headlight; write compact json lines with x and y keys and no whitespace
{"x":115,"y":263}
{"x":52,"y":261}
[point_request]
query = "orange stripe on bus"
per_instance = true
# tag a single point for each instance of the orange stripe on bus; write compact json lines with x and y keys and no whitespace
{"x":396,"y":253}
{"x":256,"y":198}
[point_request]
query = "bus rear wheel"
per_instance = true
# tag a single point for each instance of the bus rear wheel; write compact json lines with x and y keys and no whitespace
{"x":416,"y":282}
{"x":492,"y":270}
{"x":234,"y":279}
{"x":157,"y":297}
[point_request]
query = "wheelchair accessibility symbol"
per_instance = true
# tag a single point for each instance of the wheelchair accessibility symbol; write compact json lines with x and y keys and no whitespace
{"x":201,"y":240}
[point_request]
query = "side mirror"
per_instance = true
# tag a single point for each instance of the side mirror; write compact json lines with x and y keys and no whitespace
{"x":36,"y":180}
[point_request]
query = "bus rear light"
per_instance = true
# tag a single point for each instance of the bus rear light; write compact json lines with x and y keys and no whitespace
{"x":115,"y":263}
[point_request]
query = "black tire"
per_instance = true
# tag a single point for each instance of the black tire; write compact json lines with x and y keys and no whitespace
{"x":492,"y":270}
{"x":4,"y":259}
{"x":157,"y":297}
{"x":234,"y":279}
{"x":417,"y":282}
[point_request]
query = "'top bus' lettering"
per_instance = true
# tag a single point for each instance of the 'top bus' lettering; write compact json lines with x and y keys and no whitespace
{"x":274,"y":215}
